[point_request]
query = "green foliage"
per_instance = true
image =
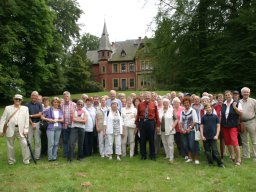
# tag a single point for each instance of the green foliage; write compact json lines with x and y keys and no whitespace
{"x":35,"y":41}
{"x":67,"y":14}
{"x":206,"y":45}
{"x":89,"y":42}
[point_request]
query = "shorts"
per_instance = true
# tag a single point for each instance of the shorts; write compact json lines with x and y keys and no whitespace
{"x":230,"y":136}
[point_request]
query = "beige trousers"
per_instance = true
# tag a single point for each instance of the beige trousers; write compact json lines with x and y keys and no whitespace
{"x":168,"y":143}
{"x":24,"y":148}
{"x":250,"y":130}
{"x":35,"y":133}
{"x":130,"y":137}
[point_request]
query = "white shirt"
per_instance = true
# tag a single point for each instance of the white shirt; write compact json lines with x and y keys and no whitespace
{"x":228,"y":107}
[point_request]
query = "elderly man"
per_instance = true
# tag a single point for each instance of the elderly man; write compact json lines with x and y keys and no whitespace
{"x":35,"y":111}
{"x":249,"y":122}
{"x":147,"y":120}
{"x":68,"y":108}
{"x":112,"y":96}
{"x":17,"y":119}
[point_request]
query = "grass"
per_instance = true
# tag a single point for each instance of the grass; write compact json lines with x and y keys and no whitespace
{"x":127,"y":175}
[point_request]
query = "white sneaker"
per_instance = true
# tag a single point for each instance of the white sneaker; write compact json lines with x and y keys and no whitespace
{"x":197,"y":162}
{"x":186,"y":157}
{"x":102,"y":156}
{"x":188,"y":160}
{"x":118,"y":158}
{"x":110,"y":157}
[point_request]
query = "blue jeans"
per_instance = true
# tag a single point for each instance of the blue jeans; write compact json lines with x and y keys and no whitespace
{"x":189,"y":143}
{"x":65,"y":134}
{"x":53,"y":136}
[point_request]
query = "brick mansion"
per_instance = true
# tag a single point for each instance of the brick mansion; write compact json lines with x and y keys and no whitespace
{"x":121,"y":65}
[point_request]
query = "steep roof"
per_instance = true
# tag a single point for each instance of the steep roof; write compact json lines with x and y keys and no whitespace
{"x":104,"y":40}
{"x":92,"y":56}
{"x":125,"y":50}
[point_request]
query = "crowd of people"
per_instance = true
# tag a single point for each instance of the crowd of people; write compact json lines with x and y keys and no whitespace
{"x":107,"y":125}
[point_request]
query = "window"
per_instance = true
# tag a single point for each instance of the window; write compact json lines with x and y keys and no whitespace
{"x":123,"y":53}
{"x":132,"y":83}
{"x":131,"y":67}
{"x":115,"y":83}
{"x":123,"y":67}
{"x":103,"y":70}
{"x":115,"y":68}
{"x":104,"y":83}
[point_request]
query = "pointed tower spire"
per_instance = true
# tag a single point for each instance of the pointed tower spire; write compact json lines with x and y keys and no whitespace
{"x":104,"y":40}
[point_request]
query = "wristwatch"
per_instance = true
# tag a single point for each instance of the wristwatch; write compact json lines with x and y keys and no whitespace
{"x":30,"y":116}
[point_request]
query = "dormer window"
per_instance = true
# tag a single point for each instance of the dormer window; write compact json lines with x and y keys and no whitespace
{"x":123,"y":53}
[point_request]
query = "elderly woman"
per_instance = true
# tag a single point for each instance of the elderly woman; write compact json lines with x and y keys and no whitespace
{"x":188,"y":120}
{"x":77,"y":131}
{"x":177,"y":108}
{"x":168,"y":122}
{"x":100,"y":114}
{"x":230,"y":112}
{"x":129,"y":113}
{"x":54,"y":117}
{"x":89,"y":127}
{"x":43,"y":127}
{"x":136,"y":102}
{"x":113,"y":123}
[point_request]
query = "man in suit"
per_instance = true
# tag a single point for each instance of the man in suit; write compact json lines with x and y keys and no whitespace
{"x":17,"y":117}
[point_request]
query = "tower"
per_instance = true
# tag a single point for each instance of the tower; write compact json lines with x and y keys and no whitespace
{"x":105,"y":51}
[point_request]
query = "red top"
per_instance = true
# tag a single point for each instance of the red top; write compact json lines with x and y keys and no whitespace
{"x":218,"y":109}
{"x":152,"y":113}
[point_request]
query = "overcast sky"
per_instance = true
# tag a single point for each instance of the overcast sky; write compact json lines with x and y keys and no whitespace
{"x":125,"y":19}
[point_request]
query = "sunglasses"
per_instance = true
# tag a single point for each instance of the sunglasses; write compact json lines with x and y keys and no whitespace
{"x":80,"y":104}
{"x":17,"y":99}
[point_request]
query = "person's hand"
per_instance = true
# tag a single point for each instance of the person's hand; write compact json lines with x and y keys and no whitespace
{"x":215,"y":137}
{"x":188,"y":131}
{"x":203,"y":138}
{"x":33,"y":125}
{"x":135,"y":130}
{"x":158,"y":130}
{"x":234,"y":104}
{"x":1,"y":134}
{"x":98,"y":130}
{"x":25,"y":133}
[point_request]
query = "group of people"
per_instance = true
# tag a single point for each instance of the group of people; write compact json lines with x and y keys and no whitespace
{"x":108,"y":124}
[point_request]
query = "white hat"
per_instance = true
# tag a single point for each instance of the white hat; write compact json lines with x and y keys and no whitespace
{"x":18,"y":96}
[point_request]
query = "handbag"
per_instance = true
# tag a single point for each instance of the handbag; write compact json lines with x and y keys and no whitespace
{"x":43,"y":125}
{"x":5,"y":125}
{"x":197,"y":133}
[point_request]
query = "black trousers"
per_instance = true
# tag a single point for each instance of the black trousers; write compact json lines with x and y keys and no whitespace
{"x":147,"y":133}
{"x":95,"y":142}
{"x":44,"y":142}
{"x":88,"y":142}
{"x":211,"y":151}
{"x":178,"y":141}
{"x":76,"y":133}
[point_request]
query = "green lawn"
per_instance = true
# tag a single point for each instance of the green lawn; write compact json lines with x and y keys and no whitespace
{"x":127,"y":175}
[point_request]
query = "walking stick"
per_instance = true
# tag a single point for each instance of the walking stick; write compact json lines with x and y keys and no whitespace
{"x":29,"y":146}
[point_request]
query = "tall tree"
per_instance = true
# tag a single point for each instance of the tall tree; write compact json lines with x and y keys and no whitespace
{"x":67,"y":14}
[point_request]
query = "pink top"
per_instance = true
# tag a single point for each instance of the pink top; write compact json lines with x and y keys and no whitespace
{"x":178,"y":112}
